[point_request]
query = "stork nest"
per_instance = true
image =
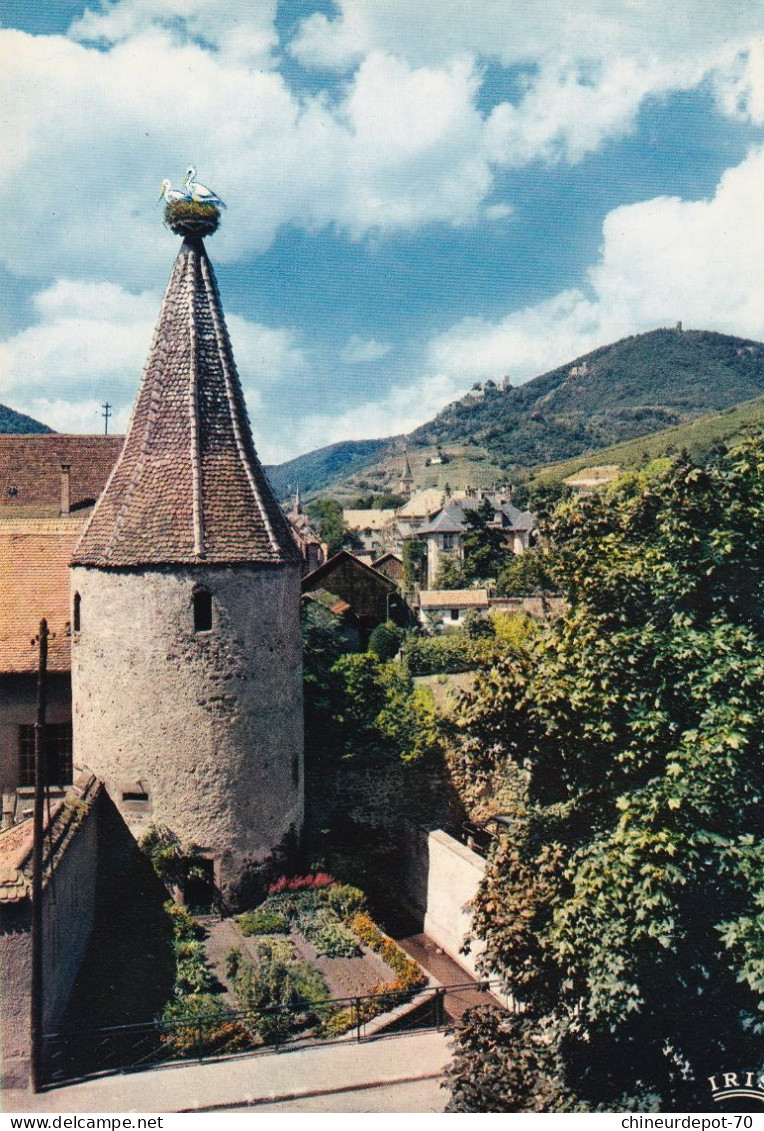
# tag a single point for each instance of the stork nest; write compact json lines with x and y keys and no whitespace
{"x":187,"y":218}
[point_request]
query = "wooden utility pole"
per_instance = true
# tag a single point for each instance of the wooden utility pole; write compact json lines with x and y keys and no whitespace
{"x":40,"y":784}
{"x":106,"y":414}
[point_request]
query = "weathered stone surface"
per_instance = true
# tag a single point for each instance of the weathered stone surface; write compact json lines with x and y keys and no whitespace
{"x":208,"y":724}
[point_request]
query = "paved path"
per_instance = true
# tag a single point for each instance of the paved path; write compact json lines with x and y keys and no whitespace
{"x":334,"y":1074}
{"x":447,"y":972}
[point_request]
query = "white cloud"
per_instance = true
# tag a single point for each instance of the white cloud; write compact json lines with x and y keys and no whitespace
{"x":89,"y":134}
{"x":358,"y":351}
{"x":402,"y":408}
{"x":243,"y":32}
{"x":264,"y":354}
{"x":90,"y":342}
{"x":85,"y":333}
{"x":662,"y":261}
{"x":424,"y":31}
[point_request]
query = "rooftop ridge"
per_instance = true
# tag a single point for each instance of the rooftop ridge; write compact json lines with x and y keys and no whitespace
{"x":187,"y":486}
{"x":226,"y":352}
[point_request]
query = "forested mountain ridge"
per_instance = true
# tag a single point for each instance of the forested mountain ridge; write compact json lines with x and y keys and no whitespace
{"x":630,"y":388}
{"x":16,"y":423}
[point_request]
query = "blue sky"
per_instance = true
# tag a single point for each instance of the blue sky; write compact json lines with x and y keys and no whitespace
{"x":421,"y":193}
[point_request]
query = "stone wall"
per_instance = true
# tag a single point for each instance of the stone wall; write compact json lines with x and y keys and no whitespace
{"x":198,"y":731}
{"x":441,"y":879}
{"x":68,"y":911}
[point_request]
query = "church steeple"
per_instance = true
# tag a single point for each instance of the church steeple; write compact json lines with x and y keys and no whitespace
{"x":188,"y":486}
{"x":407,"y":478}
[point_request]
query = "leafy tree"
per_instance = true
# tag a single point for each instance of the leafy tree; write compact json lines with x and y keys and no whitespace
{"x":477,"y":626}
{"x":388,"y":500}
{"x":450,"y":574}
{"x":625,"y":912}
{"x":327,"y":514}
{"x":526,"y":573}
{"x":385,"y":640}
{"x":542,"y":498}
{"x":414,"y":562}
{"x":484,"y":545}
{"x":322,"y":645}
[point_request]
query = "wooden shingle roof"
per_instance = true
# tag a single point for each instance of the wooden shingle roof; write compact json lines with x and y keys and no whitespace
{"x":188,"y":486}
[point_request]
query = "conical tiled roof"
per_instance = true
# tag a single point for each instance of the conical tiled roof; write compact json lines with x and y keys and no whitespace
{"x":188,"y":486}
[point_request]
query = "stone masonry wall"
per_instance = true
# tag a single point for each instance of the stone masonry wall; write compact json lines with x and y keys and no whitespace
{"x":441,"y":880}
{"x":68,"y":910}
{"x":208,"y":724}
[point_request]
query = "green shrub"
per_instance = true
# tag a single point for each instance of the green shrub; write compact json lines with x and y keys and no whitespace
{"x":328,"y":935}
{"x":282,"y":994}
{"x":184,"y":926}
{"x":200,"y":1024}
{"x":262,"y":922}
{"x":455,"y":652}
{"x":385,"y":640}
{"x":192,"y":975}
{"x":345,"y":900}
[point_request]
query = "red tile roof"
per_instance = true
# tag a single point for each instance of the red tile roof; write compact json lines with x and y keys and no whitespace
{"x":188,"y":486}
{"x":30,"y":471}
{"x":34,"y":583}
{"x":59,"y":827}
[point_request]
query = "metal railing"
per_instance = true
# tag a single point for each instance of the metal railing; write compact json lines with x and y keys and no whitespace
{"x":82,"y":1053}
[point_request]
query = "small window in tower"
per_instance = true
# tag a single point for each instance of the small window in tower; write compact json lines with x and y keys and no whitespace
{"x":202,"y":610}
{"x":77,"y":613}
{"x":135,"y":793}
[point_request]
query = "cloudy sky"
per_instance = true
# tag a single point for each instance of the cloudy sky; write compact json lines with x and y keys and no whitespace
{"x":421,"y":193}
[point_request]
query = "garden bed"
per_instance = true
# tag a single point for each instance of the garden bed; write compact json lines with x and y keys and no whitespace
{"x":307,"y":962}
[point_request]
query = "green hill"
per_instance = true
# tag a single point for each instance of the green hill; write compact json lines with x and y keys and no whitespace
{"x":632,"y":388}
{"x":314,"y":471}
{"x":697,"y":437}
{"x":16,"y":423}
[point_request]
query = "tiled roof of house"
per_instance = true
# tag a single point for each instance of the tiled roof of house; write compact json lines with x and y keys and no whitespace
{"x":422,"y":504}
{"x":369,"y":519}
{"x":188,"y":486}
{"x":454,"y":598}
{"x":450,"y":520}
{"x":342,"y":557}
{"x":30,"y":471}
{"x":59,"y":827}
{"x":34,"y":583}
{"x":444,"y":523}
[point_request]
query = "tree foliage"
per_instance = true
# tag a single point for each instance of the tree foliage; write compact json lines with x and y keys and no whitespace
{"x":484,"y":545}
{"x":525,"y":574}
{"x":327,"y":514}
{"x":626,"y":913}
{"x":414,"y":562}
{"x":450,"y":573}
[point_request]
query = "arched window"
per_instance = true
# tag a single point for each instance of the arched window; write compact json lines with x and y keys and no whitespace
{"x":202,"y":610}
{"x":77,"y":612}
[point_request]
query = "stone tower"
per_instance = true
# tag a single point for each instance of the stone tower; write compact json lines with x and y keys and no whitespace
{"x":186,"y":646}
{"x":406,"y":481}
